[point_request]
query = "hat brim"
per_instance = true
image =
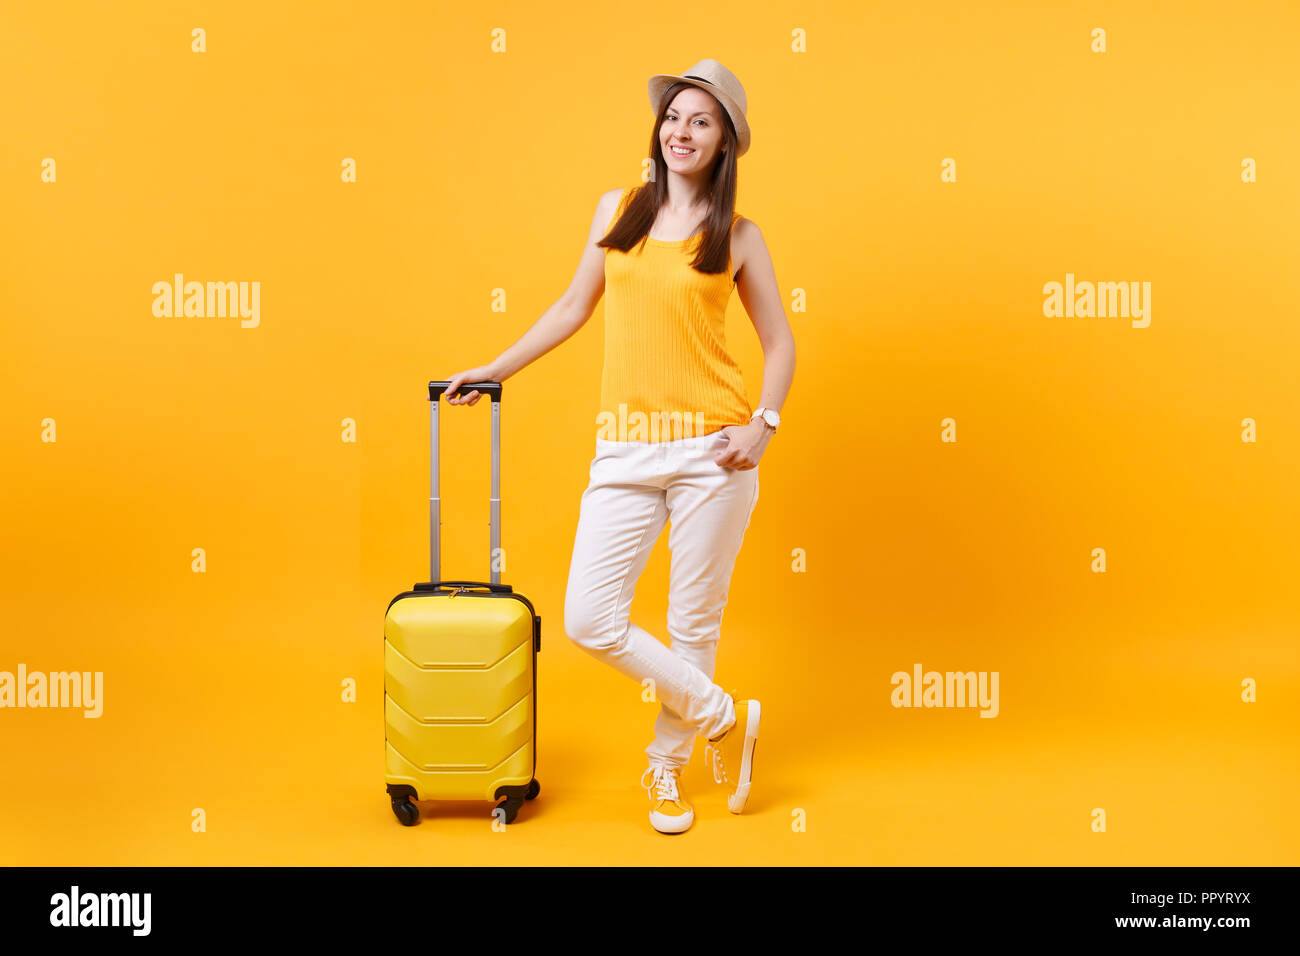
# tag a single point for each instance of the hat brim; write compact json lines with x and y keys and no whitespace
{"x":661,"y":81}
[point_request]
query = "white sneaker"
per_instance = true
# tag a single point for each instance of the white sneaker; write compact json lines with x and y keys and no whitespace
{"x":731,"y":756}
{"x":669,"y":810}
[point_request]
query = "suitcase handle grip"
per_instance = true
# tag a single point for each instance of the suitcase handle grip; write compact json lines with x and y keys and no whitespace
{"x":436,"y":585}
{"x":490,"y":389}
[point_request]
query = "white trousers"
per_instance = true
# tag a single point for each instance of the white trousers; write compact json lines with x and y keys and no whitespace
{"x":635,"y":487}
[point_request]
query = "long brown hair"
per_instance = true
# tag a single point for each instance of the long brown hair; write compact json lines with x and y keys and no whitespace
{"x":633,"y":226}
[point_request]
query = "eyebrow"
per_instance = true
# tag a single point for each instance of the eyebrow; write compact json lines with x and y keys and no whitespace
{"x":696,"y":113}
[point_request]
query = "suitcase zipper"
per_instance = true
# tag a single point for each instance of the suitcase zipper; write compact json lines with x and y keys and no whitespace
{"x":495,"y":594}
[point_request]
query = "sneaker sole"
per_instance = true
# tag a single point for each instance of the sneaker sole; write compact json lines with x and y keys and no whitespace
{"x":736,"y":801}
{"x":671,"y":824}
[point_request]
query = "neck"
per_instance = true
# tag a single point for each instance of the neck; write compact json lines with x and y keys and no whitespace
{"x":686,"y":192}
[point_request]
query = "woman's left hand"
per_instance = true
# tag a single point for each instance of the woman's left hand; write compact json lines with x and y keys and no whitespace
{"x":745,"y":445}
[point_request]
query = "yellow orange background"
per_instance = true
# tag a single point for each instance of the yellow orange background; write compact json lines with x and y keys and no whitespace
{"x":480,"y":170}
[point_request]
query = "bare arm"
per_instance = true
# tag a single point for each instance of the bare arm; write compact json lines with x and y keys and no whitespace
{"x":561,"y":320}
{"x":761,"y":297}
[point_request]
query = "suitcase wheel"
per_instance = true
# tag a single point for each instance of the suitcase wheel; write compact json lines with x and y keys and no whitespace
{"x":408,"y":814}
{"x":510,"y":808}
{"x":514,"y":799}
{"x":404,"y":806}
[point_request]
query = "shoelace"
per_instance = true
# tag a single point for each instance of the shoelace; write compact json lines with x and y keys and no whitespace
{"x":664,"y":783}
{"x":713,"y":754}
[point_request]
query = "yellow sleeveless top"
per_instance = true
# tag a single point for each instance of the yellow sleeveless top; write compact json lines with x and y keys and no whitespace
{"x":668,"y":373}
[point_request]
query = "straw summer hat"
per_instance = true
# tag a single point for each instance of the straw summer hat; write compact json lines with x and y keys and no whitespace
{"x":712,"y":77}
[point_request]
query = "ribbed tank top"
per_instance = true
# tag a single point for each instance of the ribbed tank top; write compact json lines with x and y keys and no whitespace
{"x":668,"y":373}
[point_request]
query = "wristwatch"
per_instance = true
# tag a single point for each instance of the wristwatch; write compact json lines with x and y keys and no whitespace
{"x":769,"y":415}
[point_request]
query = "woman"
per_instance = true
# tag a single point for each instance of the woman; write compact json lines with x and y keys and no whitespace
{"x":677,"y":440}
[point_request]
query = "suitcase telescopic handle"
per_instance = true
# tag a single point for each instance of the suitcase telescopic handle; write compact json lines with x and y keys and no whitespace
{"x":493,"y":391}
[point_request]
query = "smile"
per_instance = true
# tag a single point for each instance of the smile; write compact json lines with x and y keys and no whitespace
{"x":681,"y":151}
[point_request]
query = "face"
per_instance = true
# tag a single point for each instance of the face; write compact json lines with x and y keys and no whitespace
{"x":694,"y":123}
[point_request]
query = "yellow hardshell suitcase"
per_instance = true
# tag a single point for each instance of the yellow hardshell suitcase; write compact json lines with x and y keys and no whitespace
{"x":460,"y":671}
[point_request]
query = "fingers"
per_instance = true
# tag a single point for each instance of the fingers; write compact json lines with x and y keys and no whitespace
{"x":735,"y":459}
{"x":456,"y":397}
{"x":453,"y":394}
{"x":729,"y":455}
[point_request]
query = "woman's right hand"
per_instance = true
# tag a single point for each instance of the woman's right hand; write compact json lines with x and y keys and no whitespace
{"x":481,"y":373}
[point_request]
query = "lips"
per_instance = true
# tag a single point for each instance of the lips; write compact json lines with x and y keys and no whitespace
{"x":673,"y":148}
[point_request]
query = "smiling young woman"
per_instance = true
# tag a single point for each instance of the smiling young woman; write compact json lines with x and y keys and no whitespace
{"x":666,"y":255}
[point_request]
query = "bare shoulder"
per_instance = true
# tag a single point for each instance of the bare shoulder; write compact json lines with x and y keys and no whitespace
{"x":606,"y":207}
{"x":747,"y":243}
{"x":746,"y":230}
